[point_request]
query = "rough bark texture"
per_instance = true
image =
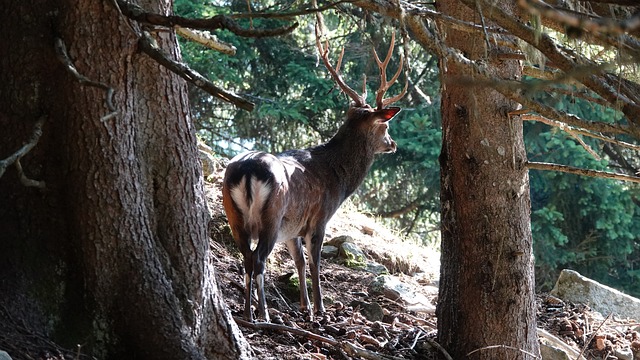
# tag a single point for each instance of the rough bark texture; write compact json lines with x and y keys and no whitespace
{"x":486,"y":300}
{"x":114,"y":253}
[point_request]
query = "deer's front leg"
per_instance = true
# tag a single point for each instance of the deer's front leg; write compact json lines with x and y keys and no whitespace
{"x":314,"y":248}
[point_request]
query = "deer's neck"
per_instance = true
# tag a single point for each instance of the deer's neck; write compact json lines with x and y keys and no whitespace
{"x":348,"y":159}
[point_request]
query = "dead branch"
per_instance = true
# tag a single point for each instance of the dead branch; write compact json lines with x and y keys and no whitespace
{"x":581,"y":172}
{"x":63,"y":56}
{"x":149,"y":46}
{"x":503,"y":347}
{"x":439,"y":347}
{"x":289,"y":14}
{"x":349,"y":348}
{"x":25,"y":180}
{"x":571,"y":129}
{"x":205,"y":39}
{"x":606,"y":87}
{"x":582,"y":21}
{"x":16,"y":156}
{"x":217,"y":22}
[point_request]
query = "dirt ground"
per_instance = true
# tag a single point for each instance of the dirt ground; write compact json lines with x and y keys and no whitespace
{"x":402,"y":333}
{"x":399,"y":331}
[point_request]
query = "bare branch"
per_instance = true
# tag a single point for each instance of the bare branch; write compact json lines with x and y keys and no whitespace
{"x":600,"y":84}
{"x":593,"y":25}
{"x":16,"y":156}
{"x":205,"y":39}
{"x":63,"y":56}
{"x":217,"y":22}
{"x":575,"y":131}
{"x":582,"y":172}
{"x":25,"y":180}
{"x":289,"y":14}
{"x":503,"y":347}
{"x":349,"y":348}
{"x":150,"y":47}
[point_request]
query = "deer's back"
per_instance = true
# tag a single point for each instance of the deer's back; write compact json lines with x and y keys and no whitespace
{"x":292,"y":191}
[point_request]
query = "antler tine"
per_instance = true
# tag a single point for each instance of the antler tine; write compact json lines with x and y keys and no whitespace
{"x":360,"y":101}
{"x":384,"y":84}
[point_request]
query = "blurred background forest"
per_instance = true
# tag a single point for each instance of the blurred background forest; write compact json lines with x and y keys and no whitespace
{"x":591,"y":225}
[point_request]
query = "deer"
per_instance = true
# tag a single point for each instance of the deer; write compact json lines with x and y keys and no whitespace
{"x":291,"y":196}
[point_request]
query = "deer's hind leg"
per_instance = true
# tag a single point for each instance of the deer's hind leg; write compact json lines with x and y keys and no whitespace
{"x":266,"y":243}
{"x":297,"y":253}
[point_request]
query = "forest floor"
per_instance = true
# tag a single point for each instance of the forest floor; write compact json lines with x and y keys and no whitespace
{"x":345,"y":331}
{"x":403,"y":332}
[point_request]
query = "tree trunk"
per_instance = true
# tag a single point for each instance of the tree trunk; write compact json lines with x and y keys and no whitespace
{"x":114,"y":252}
{"x":486,"y":303}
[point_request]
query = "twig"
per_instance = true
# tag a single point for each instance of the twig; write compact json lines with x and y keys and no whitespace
{"x":568,"y":129}
{"x":16,"y":156}
{"x":289,"y":14}
{"x":582,"y":172}
{"x":415,"y":340}
{"x":586,"y":344}
{"x":504,"y":347}
{"x":63,"y":56}
{"x":149,"y":46}
{"x":217,"y":22}
{"x":25,"y":180}
{"x":439,"y":347}
{"x":205,"y":39}
{"x":563,"y":126}
{"x":349,"y":348}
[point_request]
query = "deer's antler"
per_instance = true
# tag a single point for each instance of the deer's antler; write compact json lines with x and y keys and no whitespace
{"x":359,"y":100}
{"x":384,"y":84}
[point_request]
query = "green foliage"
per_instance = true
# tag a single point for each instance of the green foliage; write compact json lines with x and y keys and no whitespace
{"x":591,"y":225}
{"x":297,"y":104}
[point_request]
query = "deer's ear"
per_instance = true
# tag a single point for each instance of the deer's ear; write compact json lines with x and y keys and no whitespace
{"x":388,"y":113}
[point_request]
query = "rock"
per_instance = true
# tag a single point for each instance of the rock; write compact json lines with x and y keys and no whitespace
{"x":348,"y":252}
{"x":552,"y":348}
{"x":4,"y":355}
{"x":351,"y":252}
{"x":573,"y":287}
{"x":624,"y":353}
{"x":394,"y":289}
{"x":209,"y":164}
{"x":372,"y":311}
{"x":375,"y":268}
{"x":329,"y":251}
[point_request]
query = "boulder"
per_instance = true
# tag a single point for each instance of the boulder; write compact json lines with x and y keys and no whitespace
{"x":552,"y":348}
{"x":392,"y":288}
{"x":573,"y":287}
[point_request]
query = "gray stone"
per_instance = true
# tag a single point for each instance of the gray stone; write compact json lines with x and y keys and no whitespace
{"x":573,"y":287}
{"x":329,"y":251}
{"x":4,"y":355}
{"x":376,"y":268}
{"x":552,"y":348}
{"x":391,"y":287}
{"x":372,"y":311}
{"x":351,"y":252}
{"x":624,"y":353}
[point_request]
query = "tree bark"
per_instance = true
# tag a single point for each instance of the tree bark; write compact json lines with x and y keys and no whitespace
{"x":115,"y":248}
{"x":486,"y":305}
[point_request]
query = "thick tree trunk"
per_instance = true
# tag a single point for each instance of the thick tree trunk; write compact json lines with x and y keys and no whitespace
{"x":486,"y":302}
{"x":114,"y":252}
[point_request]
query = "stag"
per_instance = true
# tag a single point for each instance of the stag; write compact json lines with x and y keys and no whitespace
{"x":290,"y":197}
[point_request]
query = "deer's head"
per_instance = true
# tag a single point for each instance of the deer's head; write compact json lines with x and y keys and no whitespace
{"x":371,"y":122}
